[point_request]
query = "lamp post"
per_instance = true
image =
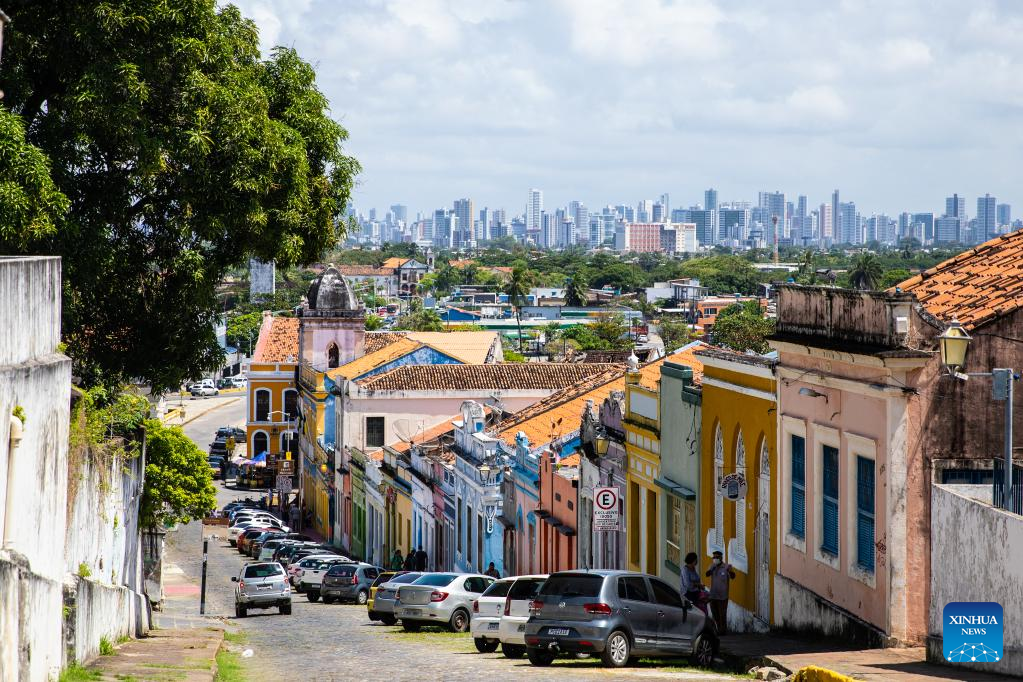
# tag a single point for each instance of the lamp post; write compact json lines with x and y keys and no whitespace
{"x":953,"y":344}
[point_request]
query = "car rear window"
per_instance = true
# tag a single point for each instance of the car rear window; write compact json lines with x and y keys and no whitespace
{"x":263,"y":571}
{"x":406,"y":578}
{"x":436,"y":579}
{"x":526,"y":588}
{"x":383,"y":578}
{"x":498,"y":589}
{"x":572,"y":585}
{"x":342,"y":569}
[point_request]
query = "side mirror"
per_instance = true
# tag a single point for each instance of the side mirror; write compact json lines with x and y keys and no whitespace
{"x":686,"y":604}
{"x":234,"y":578}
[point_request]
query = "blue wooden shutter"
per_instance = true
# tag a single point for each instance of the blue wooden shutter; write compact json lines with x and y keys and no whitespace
{"x":865,"y":513}
{"x":829,"y":529}
{"x":798,"y":515}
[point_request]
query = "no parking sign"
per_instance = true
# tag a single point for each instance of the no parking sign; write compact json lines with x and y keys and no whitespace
{"x":605,"y":509}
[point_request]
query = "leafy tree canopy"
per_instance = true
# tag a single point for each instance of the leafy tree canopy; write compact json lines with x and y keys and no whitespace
{"x":374,"y":322}
{"x":179,"y":482}
{"x":674,"y":332}
{"x":182,"y":151}
{"x":743,"y":327}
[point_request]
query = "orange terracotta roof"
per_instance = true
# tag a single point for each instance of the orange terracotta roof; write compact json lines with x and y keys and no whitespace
{"x":364,"y":271}
{"x":687,"y":356}
{"x":458,"y":264}
{"x":572,"y":460}
{"x":473,"y":348}
{"x":977,"y":285}
{"x":371,"y":361}
{"x":278,"y":340}
{"x":535,"y":376}
{"x":502,"y":269}
{"x":650,"y":374}
{"x":376,"y":455}
{"x":377,"y":340}
{"x":394,"y":262}
{"x":540,"y":420}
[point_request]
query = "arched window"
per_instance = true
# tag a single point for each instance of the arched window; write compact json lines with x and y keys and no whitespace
{"x":740,"y":505}
{"x":719,"y":502}
{"x":263,"y":405}
{"x":260,"y":443}
{"x":333,"y":356}
{"x":290,"y":404}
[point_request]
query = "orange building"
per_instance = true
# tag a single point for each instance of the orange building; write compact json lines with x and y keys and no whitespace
{"x":559,"y":497}
{"x":273,"y":396}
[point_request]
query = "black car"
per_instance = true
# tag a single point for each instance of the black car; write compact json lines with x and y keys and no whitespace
{"x":224,"y":432}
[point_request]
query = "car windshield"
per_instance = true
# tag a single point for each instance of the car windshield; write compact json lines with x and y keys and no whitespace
{"x":263,"y":571}
{"x":571,"y":585}
{"x":526,"y":588}
{"x":498,"y":589}
{"x":435,"y":579}
{"x":342,"y":569}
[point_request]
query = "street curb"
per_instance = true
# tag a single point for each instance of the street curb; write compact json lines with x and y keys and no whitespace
{"x":215,"y":407}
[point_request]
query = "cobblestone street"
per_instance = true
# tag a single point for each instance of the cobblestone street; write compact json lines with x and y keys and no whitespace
{"x":337,"y":641}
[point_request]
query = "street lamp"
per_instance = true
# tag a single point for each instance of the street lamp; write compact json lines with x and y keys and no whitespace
{"x":954,"y":343}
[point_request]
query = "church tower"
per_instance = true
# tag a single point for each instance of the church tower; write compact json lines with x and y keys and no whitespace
{"x":331,"y":323}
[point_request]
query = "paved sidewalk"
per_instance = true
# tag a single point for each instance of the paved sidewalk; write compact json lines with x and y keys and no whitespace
{"x":193,"y":409}
{"x":189,"y":655}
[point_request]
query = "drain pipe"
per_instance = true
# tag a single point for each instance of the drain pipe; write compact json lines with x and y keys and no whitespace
{"x":17,"y":430}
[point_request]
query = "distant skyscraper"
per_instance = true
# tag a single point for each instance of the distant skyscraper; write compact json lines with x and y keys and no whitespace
{"x":626,"y":213}
{"x":955,"y":207}
{"x":372,"y":214}
{"x":710,"y":199}
{"x":947,"y":230}
{"x":772,"y":204}
{"x":442,"y":227}
{"x":926,"y":223}
{"x":645,"y":211}
{"x":534,"y":209}
{"x":848,"y":224}
{"x":463,"y":237}
{"x":581,"y":216}
{"x":486,"y":222}
{"x":704,"y":220}
{"x":1004,"y":214}
{"x":549,"y":230}
{"x":659,"y":215}
{"x":733,"y":224}
{"x":987,"y":220}
{"x":825,"y":223}
{"x":666,"y":203}
{"x":680,"y":215}
{"x":400,"y":213}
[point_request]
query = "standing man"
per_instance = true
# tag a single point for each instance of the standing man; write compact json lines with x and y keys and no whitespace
{"x":720,"y":574}
{"x":421,"y":560}
{"x":492,"y":571}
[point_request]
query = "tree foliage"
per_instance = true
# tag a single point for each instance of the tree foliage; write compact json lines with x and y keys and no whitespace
{"x":674,"y":332}
{"x":30,"y":203}
{"x":743,"y":327}
{"x":182,"y":152}
{"x":179,"y":483}
{"x":374,"y":322}
{"x":576,"y":290}
{"x":866,"y":272}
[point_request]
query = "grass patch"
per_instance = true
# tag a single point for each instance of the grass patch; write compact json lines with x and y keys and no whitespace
{"x":238,"y":637}
{"x":105,"y":647}
{"x":76,"y":673}
{"x":432,"y":635}
{"x":123,"y":638}
{"x":83,"y":570}
{"x":229,"y":667}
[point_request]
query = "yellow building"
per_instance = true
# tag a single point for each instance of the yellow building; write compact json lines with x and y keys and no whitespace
{"x":272,"y":395}
{"x":643,"y":497}
{"x":739,"y":414}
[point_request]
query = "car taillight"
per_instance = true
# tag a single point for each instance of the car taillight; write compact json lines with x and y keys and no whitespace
{"x":597,"y":609}
{"x":437,"y":595}
{"x":535,"y":606}
{"x":507,"y":606}
{"x":241,"y":584}
{"x":475,"y":605}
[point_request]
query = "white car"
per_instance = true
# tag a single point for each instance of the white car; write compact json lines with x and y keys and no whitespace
{"x":234,"y":531}
{"x":486,"y":615}
{"x":310,"y":579}
{"x":296,"y":570}
{"x":512,"y":631}
{"x":203,"y":388}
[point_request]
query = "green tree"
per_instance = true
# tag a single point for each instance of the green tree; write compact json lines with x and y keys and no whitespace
{"x":374,"y":322}
{"x":182,"y":152}
{"x":517,"y":289}
{"x":179,"y":483}
{"x":893,"y":278}
{"x":808,"y":268}
{"x":674,"y":332}
{"x":743,"y":327}
{"x":866,"y":271}
{"x":242,"y":330}
{"x":30,"y":203}
{"x":420,"y":320}
{"x":611,"y":329}
{"x":576,"y":290}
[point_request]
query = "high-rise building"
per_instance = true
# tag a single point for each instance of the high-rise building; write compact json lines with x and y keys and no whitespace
{"x":534,"y":209}
{"x":680,"y":215}
{"x":987,"y":220}
{"x":659,"y":214}
{"x":550,"y":222}
{"x":372,"y":214}
{"x":772,"y":205}
{"x":463,"y":237}
{"x":733,"y":225}
{"x":825,"y":224}
{"x":399,"y":213}
{"x":626,"y":213}
{"x":836,"y":217}
{"x":955,"y":207}
{"x":1003,"y":213}
{"x":848,"y":229}
{"x":645,"y":211}
{"x":444,"y":226}
{"x":486,"y":223}
{"x":710,"y":199}
{"x":666,"y":203}
{"x":581,"y":216}
{"x":926,"y":223}
{"x":704,"y":220}
{"x":947,"y":230}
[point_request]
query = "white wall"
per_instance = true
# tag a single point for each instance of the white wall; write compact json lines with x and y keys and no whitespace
{"x":976,"y":555}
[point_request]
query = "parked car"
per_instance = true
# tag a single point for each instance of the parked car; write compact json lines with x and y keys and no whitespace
{"x":298,"y":568}
{"x":266,"y":552}
{"x":303,"y":552}
{"x":237,"y":381}
{"x":216,"y":466}
{"x":384,"y":594}
{"x":616,"y":615}
{"x":256,"y":544}
{"x":440,"y":599}
{"x":246,"y":539}
{"x":486,"y":616}
{"x":234,"y":531}
{"x":348,"y":581}
{"x":283,"y":552}
{"x":512,"y":631}
{"x":312,"y":578}
{"x":204,"y":387}
{"x":261,"y":586}
{"x":225,"y":432}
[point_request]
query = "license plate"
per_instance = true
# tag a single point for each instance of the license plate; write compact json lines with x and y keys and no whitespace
{"x":413,"y":612}
{"x":522,"y":627}
{"x":493,"y":626}
{"x":557,"y":632}
{"x":262,"y":587}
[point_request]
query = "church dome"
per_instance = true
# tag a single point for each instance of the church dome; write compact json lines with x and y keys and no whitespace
{"x":331,"y":291}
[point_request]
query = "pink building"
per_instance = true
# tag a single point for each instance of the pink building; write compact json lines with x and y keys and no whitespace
{"x":559,"y":498}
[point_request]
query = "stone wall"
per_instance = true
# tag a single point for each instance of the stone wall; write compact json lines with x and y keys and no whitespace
{"x":976,"y":555}
{"x":797,"y":609}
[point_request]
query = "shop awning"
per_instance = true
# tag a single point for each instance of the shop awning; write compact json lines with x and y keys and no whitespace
{"x":675,"y":488}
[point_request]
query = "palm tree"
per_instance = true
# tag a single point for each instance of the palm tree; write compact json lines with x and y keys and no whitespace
{"x":808,"y":268}
{"x":576,"y":290}
{"x":866,"y":271}
{"x":517,"y":289}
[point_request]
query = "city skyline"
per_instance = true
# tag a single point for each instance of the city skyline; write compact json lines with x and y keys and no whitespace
{"x":587,"y":100}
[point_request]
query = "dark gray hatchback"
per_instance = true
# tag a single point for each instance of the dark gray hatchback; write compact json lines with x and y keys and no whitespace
{"x":616,"y":615}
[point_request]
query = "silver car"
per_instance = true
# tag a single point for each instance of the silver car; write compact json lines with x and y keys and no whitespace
{"x":443,"y":599}
{"x":386,"y":595}
{"x":261,"y":586}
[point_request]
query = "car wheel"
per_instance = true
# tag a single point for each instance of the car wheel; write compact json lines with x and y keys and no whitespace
{"x":459,"y":621}
{"x":513,"y":650}
{"x":410,"y":627}
{"x":240,"y":611}
{"x":362,"y":597}
{"x":388,"y":620}
{"x":484,"y":645}
{"x":314,"y":596}
{"x":616,"y":651}
{"x":541,"y":658}
{"x":233,"y":543}
{"x":328,"y":600}
{"x":703,"y":651}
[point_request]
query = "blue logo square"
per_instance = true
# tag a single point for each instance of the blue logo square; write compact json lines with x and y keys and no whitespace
{"x":972,"y":631}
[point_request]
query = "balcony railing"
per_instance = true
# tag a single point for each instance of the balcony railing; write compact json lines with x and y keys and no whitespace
{"x":1017,"y":486}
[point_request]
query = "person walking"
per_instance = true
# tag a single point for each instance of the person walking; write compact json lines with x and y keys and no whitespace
{"x":691,"y":586}
{"x":410,"y":560}
{"x":421,"y":560}
{"x":720,"y":574}
{"x":492,"y":571}
{"x":396,"y":561}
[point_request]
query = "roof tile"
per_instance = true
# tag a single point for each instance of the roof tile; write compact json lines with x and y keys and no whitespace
{"x":499,"y":377}
{"x":278,"y":340}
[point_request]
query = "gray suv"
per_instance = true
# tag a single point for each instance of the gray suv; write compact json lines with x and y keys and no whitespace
{"x":345,"y":582}
{"x":616,"y":615}
{"x":261,"y":586}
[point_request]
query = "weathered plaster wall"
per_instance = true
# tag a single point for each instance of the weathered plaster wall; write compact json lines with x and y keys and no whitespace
{"x":976,"y":555}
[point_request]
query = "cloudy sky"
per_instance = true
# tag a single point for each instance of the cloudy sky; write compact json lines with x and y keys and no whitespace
{"x":898,"y":103}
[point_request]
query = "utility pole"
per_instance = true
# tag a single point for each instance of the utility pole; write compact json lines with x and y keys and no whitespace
{"x":202,"y":589}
